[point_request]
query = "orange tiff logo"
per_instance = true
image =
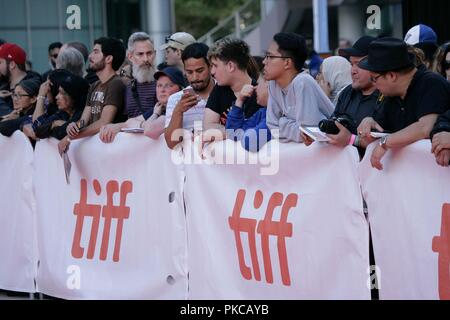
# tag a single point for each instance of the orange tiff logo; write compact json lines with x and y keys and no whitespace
{"x":441,"y":245}
{"x":107,"y":212}
{"x":280,"y":229}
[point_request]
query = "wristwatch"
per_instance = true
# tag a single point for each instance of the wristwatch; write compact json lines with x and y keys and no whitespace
{"x":383,"y":142}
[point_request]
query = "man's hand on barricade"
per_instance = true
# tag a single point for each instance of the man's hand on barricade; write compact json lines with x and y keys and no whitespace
{"x":306,"y":140}
{"x":73,"y":130}
{"x":108,"y":133}
{"x":441,"y":141}
{"x":342,"y":139}
{"x":377,"y":154}
{"x":366,"y":127}
{"x":443,"y":158}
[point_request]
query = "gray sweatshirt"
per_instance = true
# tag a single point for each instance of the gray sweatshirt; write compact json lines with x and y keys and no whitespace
{"x":302,"y":103}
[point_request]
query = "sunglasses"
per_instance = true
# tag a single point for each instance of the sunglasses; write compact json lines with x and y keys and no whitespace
{"x":170,"y":39}
{"x":446,"y":65}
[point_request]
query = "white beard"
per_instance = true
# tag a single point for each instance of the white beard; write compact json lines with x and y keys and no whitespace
{"x":143,"y":74}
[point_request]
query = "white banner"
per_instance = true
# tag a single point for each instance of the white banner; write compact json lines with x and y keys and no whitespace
{"x":409,"y":213}
{"x":18,"y":248}
{"x":118,"y":230}
{"x":297,"y":234}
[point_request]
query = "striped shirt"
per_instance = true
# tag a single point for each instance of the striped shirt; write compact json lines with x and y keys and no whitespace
{"x":147,"y":96}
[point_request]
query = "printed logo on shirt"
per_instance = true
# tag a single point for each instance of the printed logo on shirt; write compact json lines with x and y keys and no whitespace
{"x":98,"y":96}
{"x":96,"y":109}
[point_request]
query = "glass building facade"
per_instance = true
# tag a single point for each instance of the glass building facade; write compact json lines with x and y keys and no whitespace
{"x":34,"y":24}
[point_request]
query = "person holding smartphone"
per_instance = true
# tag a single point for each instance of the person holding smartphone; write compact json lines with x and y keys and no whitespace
{"x":187,"y":107}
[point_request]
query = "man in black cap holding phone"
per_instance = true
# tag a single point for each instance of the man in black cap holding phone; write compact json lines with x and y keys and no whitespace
{"x":414,"y":97}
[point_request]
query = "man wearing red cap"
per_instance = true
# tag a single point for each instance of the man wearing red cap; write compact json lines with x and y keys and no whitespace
{"x":12,"y":69}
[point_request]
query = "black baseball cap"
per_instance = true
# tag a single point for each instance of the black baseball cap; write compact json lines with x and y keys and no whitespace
{"x":359,"y":49}
{"x":174,"y":74}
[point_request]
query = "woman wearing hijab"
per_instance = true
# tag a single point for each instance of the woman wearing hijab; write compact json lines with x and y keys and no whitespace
{"x":335,"y":75}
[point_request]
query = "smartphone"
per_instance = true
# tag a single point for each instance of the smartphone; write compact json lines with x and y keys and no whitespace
{"x":189,"y":91}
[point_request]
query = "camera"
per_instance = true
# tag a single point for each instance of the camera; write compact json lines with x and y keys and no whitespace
{"x":328,"y":126}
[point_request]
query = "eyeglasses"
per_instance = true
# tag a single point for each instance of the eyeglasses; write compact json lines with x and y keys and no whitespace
{"x":268,"y":56}
{"x":173,"y":40}
{"x":18,"y":96}
{"x":375,"y":79}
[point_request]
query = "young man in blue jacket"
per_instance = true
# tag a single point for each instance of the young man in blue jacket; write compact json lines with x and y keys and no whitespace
{"x":252,"y":132}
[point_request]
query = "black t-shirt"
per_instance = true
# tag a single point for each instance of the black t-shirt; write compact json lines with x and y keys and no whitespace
{"x":442,"y":124}
{"x":222,"y":99}
{"x":428,"y":93}
{"x":357,"y":106}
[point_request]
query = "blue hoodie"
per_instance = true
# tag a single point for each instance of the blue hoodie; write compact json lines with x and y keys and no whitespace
{"x":253,"y":133}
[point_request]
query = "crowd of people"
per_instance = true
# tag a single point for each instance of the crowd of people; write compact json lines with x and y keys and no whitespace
{"x":388,"y":85}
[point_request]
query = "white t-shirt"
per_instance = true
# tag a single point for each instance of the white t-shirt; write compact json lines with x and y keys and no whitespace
{"x":195,"y":114}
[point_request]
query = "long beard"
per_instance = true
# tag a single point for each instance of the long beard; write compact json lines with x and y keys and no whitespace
{"x":143,"y":74}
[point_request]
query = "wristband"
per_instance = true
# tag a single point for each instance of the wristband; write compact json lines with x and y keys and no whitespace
{"x":357,"y":142}
{"x":352,"y":140}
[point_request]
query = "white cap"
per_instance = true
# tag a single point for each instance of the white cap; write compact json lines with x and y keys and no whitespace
{"x":179,"y":40}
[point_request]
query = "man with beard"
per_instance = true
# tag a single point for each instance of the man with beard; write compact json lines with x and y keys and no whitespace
{"x":140,"y":96}
{"x":188,"y":106}
{"x":53,"y":52}
{"x":89,"y":74}
{"x":12,"y":70}
{"x":356,"y":102}
{"x":105,"y":97}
